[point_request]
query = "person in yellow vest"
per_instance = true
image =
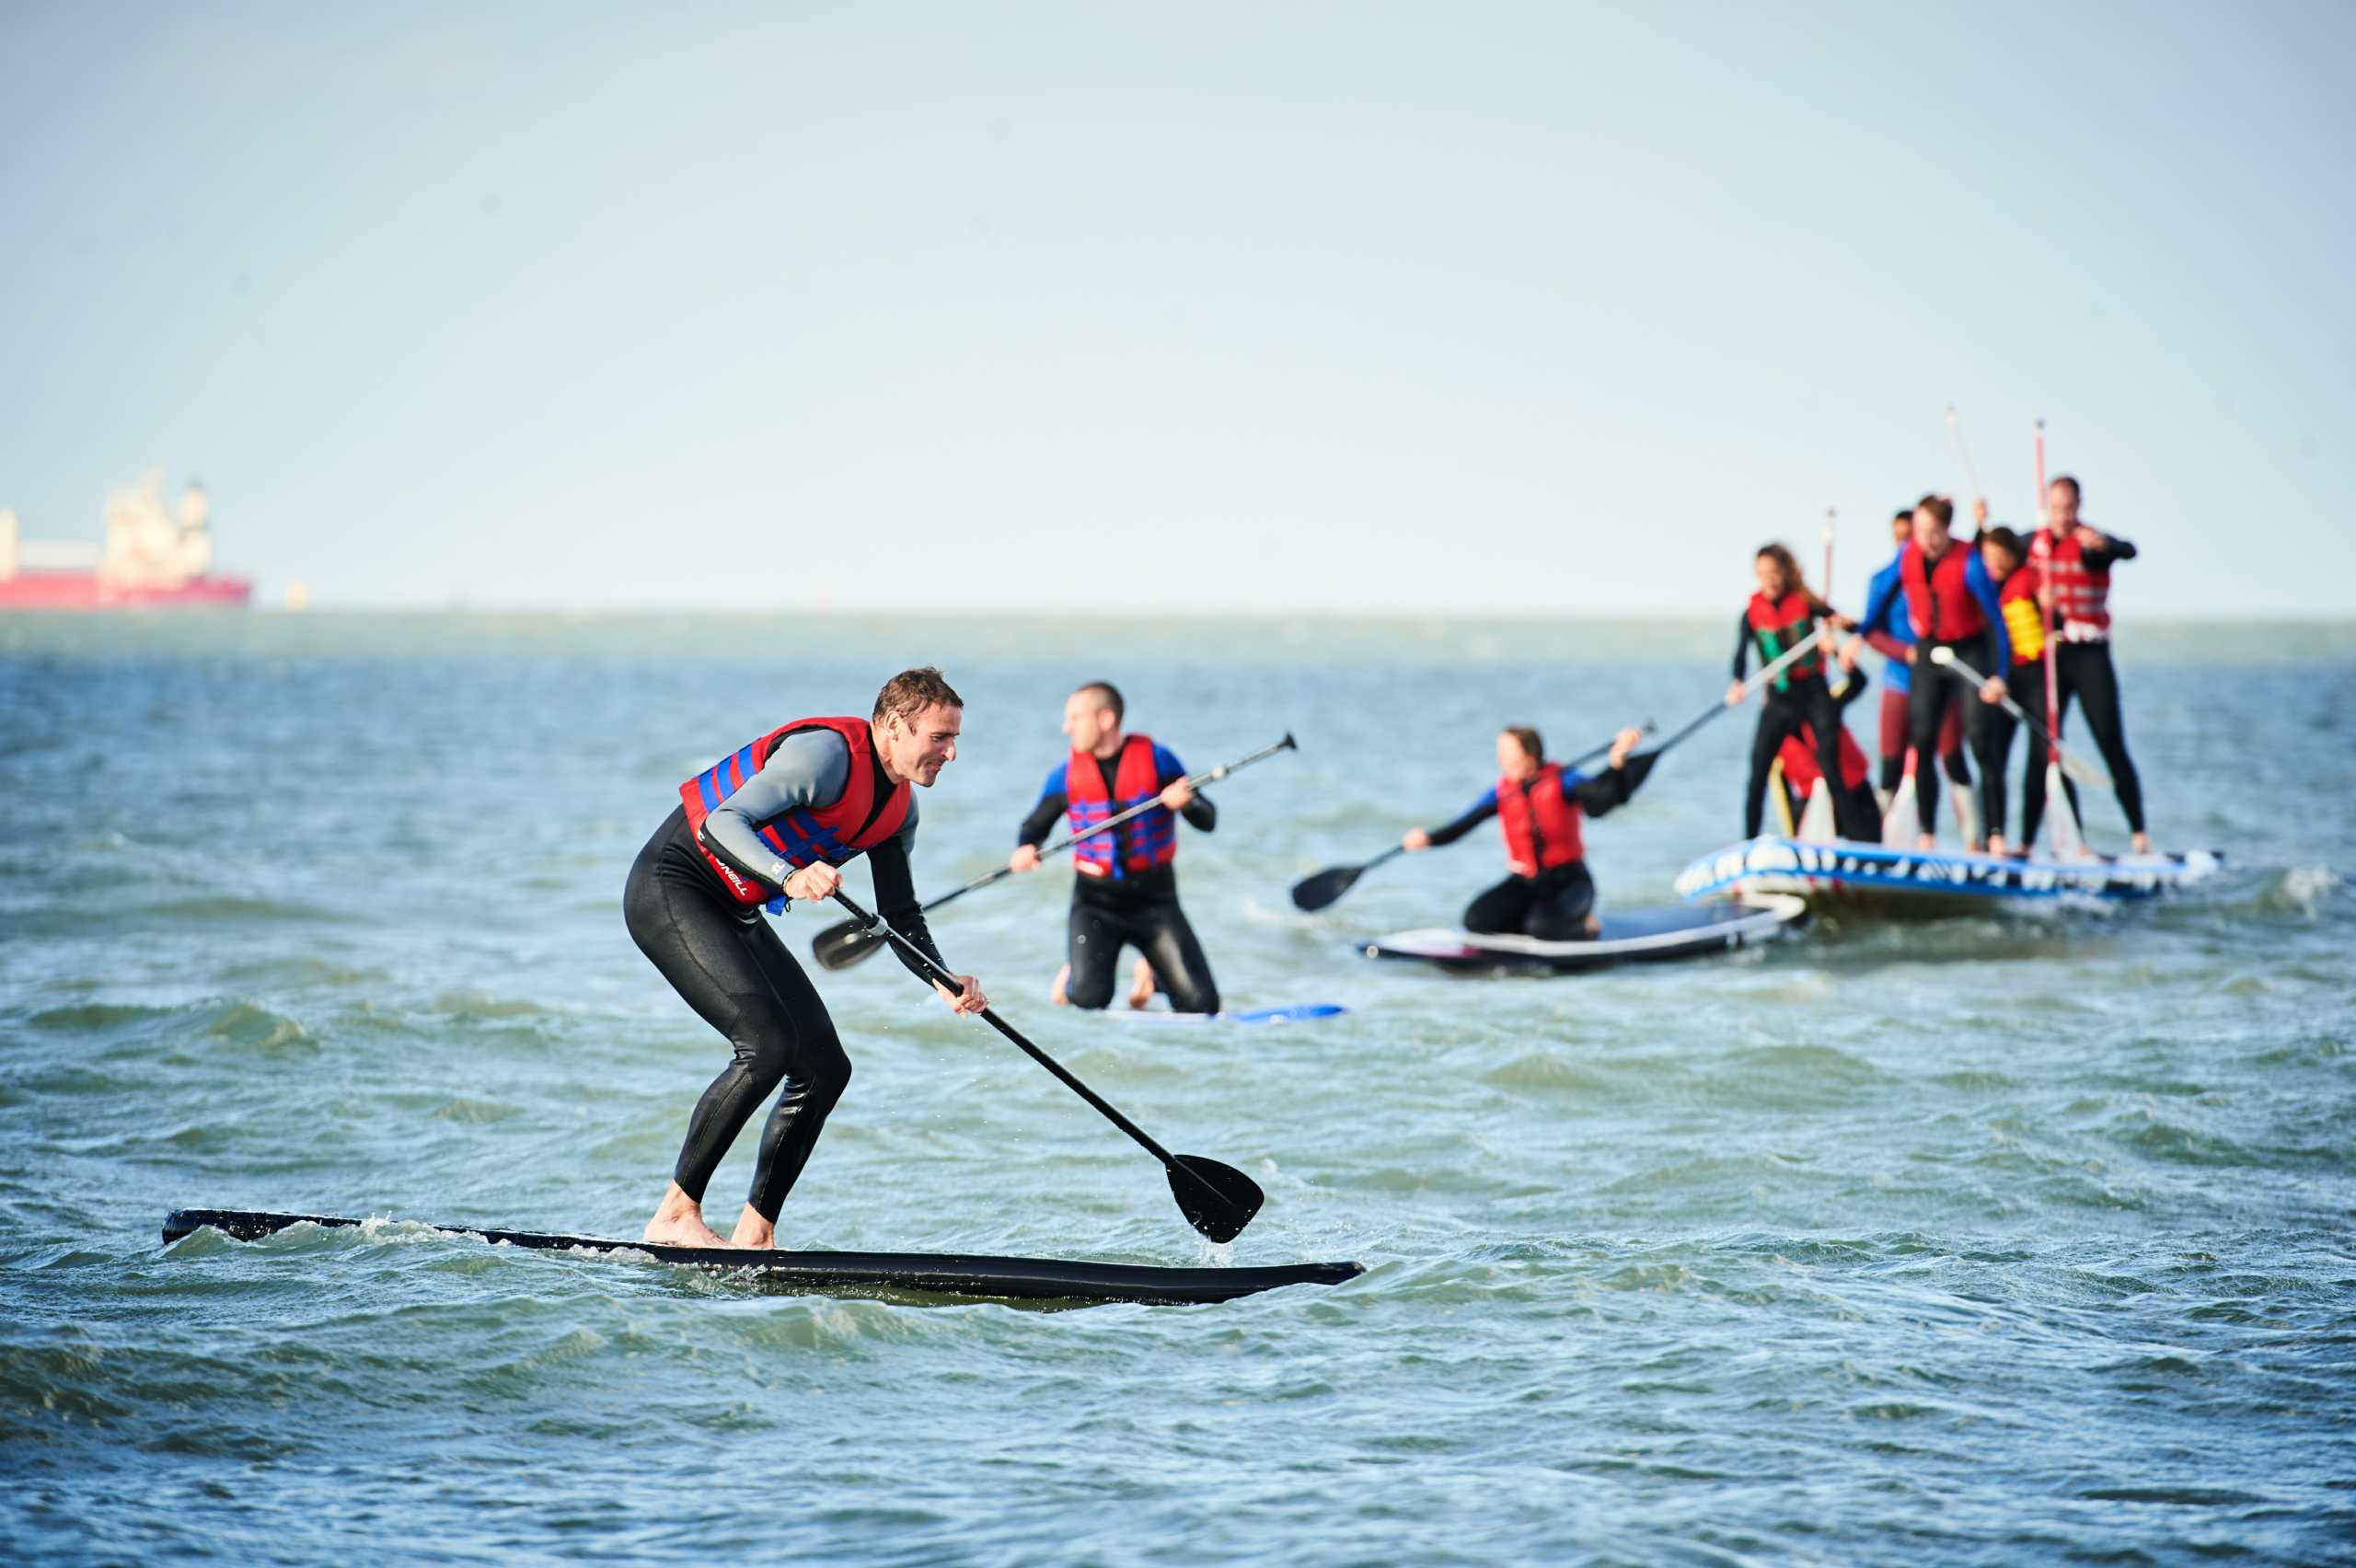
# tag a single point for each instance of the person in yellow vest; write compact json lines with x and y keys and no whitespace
{"x":2005,"y":557}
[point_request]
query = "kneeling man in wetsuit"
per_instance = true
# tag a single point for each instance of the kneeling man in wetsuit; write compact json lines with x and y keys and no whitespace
{"x":1126,"y":891}
{"x":1538,"y":805}
{"x":767,"y":823}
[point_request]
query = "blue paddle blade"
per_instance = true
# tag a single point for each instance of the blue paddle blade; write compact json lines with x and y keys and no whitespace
{"x":1218,"y":1200}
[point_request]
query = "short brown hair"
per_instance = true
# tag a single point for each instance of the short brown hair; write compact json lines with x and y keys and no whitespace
{"x":2003,"y":539}
{"x":910,"y":692}
{"x":1531,"y":746}
{"x":2075,"y":493}
{"x":1107,"y":696}
{"x":1939,"y":507}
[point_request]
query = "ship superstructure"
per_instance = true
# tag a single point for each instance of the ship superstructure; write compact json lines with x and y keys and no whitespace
{"x":151,"y":557}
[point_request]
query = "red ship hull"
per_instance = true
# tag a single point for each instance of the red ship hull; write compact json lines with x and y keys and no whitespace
{"x":83,"y":590}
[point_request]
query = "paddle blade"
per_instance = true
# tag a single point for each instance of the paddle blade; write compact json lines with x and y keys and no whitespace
{"x":1897,"y":824}
{"x":840,"y":946}
{"x":1218,"y":1200}
{"x":1317,"y":892}
{"x":2082,"y":770}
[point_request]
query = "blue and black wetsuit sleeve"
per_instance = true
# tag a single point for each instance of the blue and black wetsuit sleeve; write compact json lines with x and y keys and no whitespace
{"x":895,"y":895}
{"x":1055,"y":799}
{"x":1200,"y":810}
{"x":811,"y":769}
{"x":1612,"y":786}
{"x":1483,"y":810}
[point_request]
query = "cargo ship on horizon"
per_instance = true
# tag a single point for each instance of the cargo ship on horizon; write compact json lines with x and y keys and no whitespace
{"x":152,"y":559}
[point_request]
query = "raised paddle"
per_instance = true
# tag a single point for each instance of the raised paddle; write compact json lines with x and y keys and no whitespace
{"x":1217,"y":1199}
{"x":2082,"y":769}
{"x":1315,"y":893}
{"x":840,"y":946}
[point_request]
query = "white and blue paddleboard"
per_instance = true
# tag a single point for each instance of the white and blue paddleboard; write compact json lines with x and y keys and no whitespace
{"x":1642,"y":936}
{"x":1298,"y":1012}
{"x":1839,"y":871}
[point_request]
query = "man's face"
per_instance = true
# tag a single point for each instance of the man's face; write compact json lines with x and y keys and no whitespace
{"x":1515,"y":763}
{"x":1929,"y":534}
{"x":919,"y":748}
{"x":2061,"y":506}
{"x":1089,"y":721}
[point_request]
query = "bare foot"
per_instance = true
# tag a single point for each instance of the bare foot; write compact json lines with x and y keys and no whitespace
{"x":1594,"y":926}
{"x":754,"y":1228}
{"x":1141,"y":985}
{"x":1996,"y":844}
{"x":2142,"y":842}
{"x":1926,"y":841}
{"x":1055,"y":992}
{"x":679,"y":1223}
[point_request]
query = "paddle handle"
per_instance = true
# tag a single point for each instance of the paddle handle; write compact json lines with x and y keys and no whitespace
{"x":1213,"y":777}
{"x":990,"y":1016}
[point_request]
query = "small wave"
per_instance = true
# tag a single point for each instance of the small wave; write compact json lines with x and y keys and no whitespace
{"x":1541,"y":1071}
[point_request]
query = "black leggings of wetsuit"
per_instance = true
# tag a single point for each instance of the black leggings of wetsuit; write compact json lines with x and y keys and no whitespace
{"x":1552,"y":907}
{"x":1156,"y":927}
{"x":2083,"y":670}
{"x":1810,"y":702}
{"x":734,"y":970}
{"x":1926,"y":711}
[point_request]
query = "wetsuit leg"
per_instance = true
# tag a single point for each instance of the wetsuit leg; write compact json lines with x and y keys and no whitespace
{"x":1925,"y":713}
{"x":1160,"y":931}
{"x":2086,"y":670}
{"x":1995,"y":755}
{"x":1093,"y":950}
{"x":1566,"y":897}
{"x":727,"y":963}
{"x":1502,"y":909}
{"x":1951,"y":745}
{"x":1779,"y":720}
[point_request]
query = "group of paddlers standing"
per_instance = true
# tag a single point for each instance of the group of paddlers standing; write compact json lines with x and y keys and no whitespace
{"x":1980,"y":637}
{"x":1973,"y":633}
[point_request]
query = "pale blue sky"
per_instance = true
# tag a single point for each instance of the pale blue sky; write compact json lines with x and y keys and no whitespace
{"x":1353,"y":308}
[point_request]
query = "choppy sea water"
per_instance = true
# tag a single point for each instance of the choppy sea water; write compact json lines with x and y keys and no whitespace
{"x":1998,"y":1238}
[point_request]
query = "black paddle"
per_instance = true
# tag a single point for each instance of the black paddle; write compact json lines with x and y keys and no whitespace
{"x":1316,"y":892}
{"x":840,"y":946}
{"x":1218,"y":1200}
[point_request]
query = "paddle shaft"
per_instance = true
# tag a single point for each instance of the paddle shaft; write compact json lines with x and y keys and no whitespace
{"x":1955,"y":427}
{"x":1213,"y":777}
{"x":1768,"y":673}
{"x":2095,"y":776}
{"x":991,"y":1017}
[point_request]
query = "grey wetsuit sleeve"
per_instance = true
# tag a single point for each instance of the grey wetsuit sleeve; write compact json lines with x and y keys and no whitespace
{"x":811,"y":769}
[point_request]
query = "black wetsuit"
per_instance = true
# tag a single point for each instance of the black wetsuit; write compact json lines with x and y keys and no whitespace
{"x":1552,"y":905}
{"x":1139,"y":909}
{"x":732,"y":967}
{"x":1793,"y":701}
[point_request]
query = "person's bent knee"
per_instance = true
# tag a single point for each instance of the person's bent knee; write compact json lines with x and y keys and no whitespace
{"x":1088,"y":992}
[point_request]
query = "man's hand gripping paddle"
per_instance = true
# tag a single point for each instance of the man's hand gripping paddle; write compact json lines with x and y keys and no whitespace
{"x":840,"y":946}
{"x":1315,"y":893}
{"x":1217,"y":1199}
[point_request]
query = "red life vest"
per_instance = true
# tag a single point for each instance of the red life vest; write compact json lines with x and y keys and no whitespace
{"x":2081,"y":598}
{"x":1777,"y":624}
{"x":1540,"y":823}
{"x":1938,"y":601}
{"x":2024,"y":623}
{"x":835,"y":834}
{"x":1798,"y":755}
{"x":1146,"y":842}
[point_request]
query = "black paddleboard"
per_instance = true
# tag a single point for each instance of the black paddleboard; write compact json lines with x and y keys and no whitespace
{"x":1642,"y":936}
{"x":934,"y":1274}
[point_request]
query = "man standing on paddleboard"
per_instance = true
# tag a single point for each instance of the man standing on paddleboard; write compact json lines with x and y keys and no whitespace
{"x":1889,"y":633}
{"x":1538,"y":806}
{"x":2075,"y":561}
{"x":1953,"y":605}
{"x":774,"y":822}
{"x":1127,"y":889}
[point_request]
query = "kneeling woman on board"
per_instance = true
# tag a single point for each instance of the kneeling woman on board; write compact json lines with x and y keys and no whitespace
{"x":765,"y":824}
{"x":1538,"y":806}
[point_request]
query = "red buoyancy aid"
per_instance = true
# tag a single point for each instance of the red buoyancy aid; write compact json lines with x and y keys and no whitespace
{"x":1777,"y":624}
{"x":2023,"y":622}
{"x":1540,"y":823}
{"x":1798,"y":755}
{"x":1938,"y":601}
{"x":835,"y":834}
{"x":1147,"y":841}
{"x":2081,"y":598}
